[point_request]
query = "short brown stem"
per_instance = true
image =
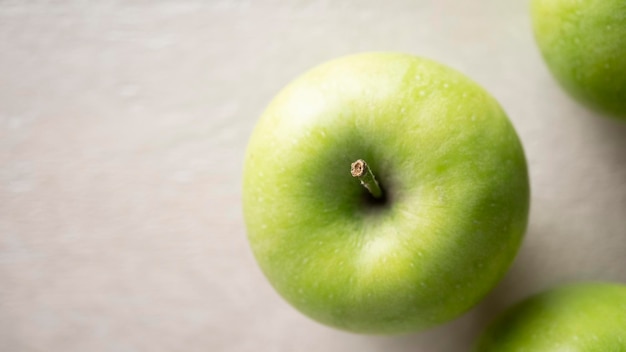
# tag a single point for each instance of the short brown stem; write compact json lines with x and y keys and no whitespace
{"x":360,"y":170}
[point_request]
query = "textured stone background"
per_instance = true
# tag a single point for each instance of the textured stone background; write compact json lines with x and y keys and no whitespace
{"x":123,"y":126}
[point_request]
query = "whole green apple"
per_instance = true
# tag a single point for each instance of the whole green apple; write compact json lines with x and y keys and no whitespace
{"x":588,"y":317}
{"x":584,"y":44}
{"x":444,"y":208}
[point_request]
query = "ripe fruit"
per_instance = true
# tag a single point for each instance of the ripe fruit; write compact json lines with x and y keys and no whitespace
{"x":454,"y":201}
{"x":584,"y":45}
{"x":586,"y":317}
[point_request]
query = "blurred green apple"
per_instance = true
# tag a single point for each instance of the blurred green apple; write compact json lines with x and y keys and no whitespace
{"x":588,"y":317}
{"x":449,"y":217}
{"x":584,"y":44}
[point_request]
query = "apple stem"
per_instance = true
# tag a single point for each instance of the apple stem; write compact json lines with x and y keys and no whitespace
{"x":360,"y":170}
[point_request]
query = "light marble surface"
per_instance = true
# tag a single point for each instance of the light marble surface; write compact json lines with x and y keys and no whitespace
{"x":123,"y":126}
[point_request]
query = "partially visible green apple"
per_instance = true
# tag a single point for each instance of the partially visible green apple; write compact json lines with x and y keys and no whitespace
{"x":589,"y":317}
{"x":454,"y":202}
{"x":584,"y":44}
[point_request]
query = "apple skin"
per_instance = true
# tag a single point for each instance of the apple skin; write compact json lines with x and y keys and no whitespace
{"x":584,"y":317}
{"x":452,"y":169}
{"x":583,"y":43}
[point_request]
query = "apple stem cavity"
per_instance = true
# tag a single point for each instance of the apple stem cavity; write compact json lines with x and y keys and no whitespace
{"x":360,"y":170}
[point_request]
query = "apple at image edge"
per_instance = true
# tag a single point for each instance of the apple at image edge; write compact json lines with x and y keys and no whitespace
{"x":584,"y":46}
{"x":455,"y":183}
{"x":585,"y":317}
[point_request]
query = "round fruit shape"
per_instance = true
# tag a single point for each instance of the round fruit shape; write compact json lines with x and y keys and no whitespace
{"x":428,"y":222}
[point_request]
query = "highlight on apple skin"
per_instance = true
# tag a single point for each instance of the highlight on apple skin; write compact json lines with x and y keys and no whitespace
{"x":583,"y":317}
{"x":583,"y":43}
{"x":447,"y":222}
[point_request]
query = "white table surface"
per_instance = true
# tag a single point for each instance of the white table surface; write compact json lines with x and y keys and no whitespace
{"x":123,"y":126}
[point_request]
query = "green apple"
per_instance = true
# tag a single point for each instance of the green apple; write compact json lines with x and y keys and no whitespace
{"x":584,"y":44}
{"x":451,"y":211}
{"x":589,"y":317}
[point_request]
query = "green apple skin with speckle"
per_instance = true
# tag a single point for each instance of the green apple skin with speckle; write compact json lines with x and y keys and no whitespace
{"x":583,"y":43}
{"x":454,"y":177}
{"x":584,"y":317}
